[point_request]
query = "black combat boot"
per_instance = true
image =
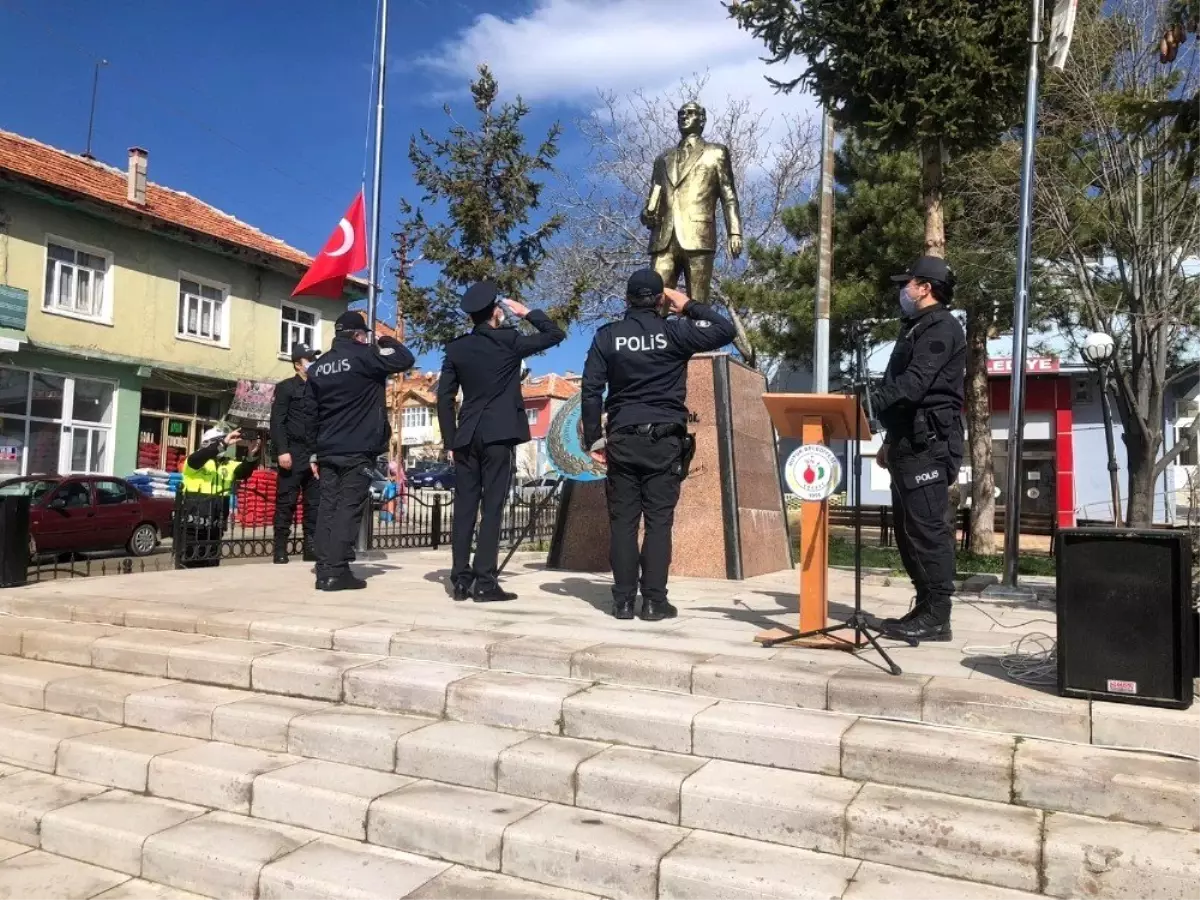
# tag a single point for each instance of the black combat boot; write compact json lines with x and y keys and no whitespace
{"x":657,"y":610}
{"x":928,"y":626}
{"x":622,"y":608}
{"x":344,"y":582}
{"x":921,"y":605}
{"x":281,"y":549}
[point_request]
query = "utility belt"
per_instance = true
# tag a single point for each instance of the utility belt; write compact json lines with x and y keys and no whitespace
{"x":660,"y":431}
{"x":930,"y":427}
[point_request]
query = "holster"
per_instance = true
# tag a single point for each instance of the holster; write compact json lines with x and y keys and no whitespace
{"x":686,"y":454}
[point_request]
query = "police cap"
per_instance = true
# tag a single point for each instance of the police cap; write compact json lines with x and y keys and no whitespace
{"x":351,"y":320}
{"x":928,"y":268}
{"x":479,"y":297}
{"x":303,"y":351}
{"x":644,"y":283}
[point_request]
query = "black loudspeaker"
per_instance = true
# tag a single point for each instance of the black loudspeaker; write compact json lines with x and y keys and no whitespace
{"x":14,"y":541}
{"x":1125,"y":617}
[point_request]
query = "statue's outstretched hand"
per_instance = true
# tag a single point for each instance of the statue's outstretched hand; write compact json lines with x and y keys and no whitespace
{"x":735,"y":245}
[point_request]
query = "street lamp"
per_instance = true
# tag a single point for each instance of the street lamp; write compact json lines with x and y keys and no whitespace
{"x":1098,"y":351}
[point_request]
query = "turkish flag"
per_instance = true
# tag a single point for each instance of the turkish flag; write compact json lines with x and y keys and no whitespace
{"x":344,"y":253}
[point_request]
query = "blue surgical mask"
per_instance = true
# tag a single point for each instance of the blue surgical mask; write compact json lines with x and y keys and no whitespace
{"x":908,"y":303}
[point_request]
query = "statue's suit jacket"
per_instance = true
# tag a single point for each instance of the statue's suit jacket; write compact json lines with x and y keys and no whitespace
{"x":690,"y":185}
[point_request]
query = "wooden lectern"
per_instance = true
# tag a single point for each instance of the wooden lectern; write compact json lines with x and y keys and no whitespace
{"x":815,"y":419}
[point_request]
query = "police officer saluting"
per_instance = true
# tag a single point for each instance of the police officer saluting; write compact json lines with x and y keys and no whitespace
{"x":346,"y":424}
{"x":486,"y":364}
{"x":920,"y":405}
{"x":643,"y":361}
{"x":295,"y":474}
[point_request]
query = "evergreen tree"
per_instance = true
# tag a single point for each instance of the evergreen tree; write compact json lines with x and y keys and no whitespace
{"x":484,"y":185}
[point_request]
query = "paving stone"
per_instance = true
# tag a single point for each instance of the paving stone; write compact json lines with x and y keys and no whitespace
{"x":262,"y":722}
{"x":1009,"y":708}
{"x":459,"y":883}
{"x":97,"y":695}
{"x":511,"y":701}
{"x":954,"y":836}
{"x":38,"y":874}
{"x":28,"y":796}
{"x":456,"y":752}
{"x":218,"y":855}
{"x":543,"y":767}
{"x":589,"y":851}
{"x":327,"y":797}
{"x":31,"y":741}
{"x":137,"y":889}
{"x":374,"y":638}
{"x":403,"y":685}
{"x":180,"y":708}
{"x":8,"y":849}
{"x":357,"y":737}
{"x":234,"y":625}
{"x":301,"y":631}
{"x":1143,"y":727}
{"x":340,"y":870}
{"x":110,"y":829}
{"x":99,"y":612}
{"x":641,"y":718}
{"x":11,"y":629}
{"x":447,"y":645}
{"x":214,"y":775}
{"x":785,"y":682}
{"x":218,"y":661}
{"x":706,"y":865}
{"x":447,"y":822}
{"x":865,"y":692}
{"x":1111,"y":784}
{"x":140,"y":652}
{"x":1087,"y":857}
{"x":162,"y":616}
{"x":537,"y":655}
{"x":798,"y":809}
{"x":875,"y":882}
{"x":630,"y":782}
{"x":23,"y":682}
{"x":119,"y":758}
{"x":669,"y":670}
{"x":306,"y":673}
{"x":63,"y":643}
{"x":962,"y":763}
{"x":799,"y":739}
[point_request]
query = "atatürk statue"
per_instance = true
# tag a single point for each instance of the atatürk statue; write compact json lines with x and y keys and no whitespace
{"x":681,"y":211}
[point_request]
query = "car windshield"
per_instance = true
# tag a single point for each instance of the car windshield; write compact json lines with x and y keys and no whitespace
{"x":34,"y":489}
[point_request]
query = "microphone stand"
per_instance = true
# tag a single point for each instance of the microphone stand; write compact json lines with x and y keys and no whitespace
{"x":864,"y":632}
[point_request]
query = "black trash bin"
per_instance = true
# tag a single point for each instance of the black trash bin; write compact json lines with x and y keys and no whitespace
{"x":14,"y":541}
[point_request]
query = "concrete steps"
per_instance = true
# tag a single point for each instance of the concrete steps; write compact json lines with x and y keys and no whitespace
{"x":565,"y":800}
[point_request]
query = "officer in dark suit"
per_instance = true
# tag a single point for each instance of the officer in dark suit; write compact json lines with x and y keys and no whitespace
{"x":346,"y":424}
{"x":295,"y":474}
{"x":920,"y":404}
{"x":643,"y":361}
{"x":486,"y":364}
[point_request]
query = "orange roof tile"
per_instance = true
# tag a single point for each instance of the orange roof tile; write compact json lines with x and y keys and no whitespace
{"x":41,"y":164}
{"x":555,"y":387}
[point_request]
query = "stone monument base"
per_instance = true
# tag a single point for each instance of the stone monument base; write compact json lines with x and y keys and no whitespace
{"x":730,"y":522}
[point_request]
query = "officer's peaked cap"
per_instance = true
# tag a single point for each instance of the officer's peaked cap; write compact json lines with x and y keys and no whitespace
{"x":928,"y":268}
{"x":644,"y":283}
{"x":351,"y":320}
{"x":479,"y":297}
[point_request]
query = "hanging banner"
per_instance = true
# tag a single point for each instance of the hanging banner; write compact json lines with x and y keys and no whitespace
{"x":1062,"y":26}
{"x":252,"y":404}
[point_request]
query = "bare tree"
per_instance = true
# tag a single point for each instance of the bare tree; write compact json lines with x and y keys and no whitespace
{"x":603,"y":241}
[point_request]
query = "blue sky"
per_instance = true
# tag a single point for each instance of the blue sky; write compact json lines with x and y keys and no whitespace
{"x":260,"y":108}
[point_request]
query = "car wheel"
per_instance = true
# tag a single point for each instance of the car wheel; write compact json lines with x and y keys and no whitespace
{"x":144,"y":540}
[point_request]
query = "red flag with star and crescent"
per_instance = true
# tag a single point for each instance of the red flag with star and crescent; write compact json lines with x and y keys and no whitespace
{"x":343,"y":254}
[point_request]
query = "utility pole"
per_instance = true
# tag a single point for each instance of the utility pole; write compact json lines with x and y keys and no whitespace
{"x":92,"y":115}
{"x":824,"y":261}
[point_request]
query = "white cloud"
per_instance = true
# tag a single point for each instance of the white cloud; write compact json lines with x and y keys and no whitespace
{"x":568,"y":50}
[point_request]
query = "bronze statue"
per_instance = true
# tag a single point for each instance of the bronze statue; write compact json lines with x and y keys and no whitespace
{"x":681,"y":211}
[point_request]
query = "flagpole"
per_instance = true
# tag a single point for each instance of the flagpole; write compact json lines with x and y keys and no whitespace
{"x":376,"y":180}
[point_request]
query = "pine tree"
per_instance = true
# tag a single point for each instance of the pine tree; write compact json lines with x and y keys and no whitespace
{"x":481,"y":187}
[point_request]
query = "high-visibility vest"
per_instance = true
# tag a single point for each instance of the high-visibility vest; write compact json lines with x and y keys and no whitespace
{"x":214,"y":478}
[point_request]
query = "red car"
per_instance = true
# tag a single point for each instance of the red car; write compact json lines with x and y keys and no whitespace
{"x":81,"y":513}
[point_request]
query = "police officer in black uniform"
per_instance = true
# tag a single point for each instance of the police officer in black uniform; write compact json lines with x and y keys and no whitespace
{"x":643,"y":361}
{"x":920,"y":405}
{"x":346,"y":424}
{"x":486,"y":364}
{"x":295,"y":474}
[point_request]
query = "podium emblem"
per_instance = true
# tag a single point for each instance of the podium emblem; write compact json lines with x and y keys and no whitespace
{"x":813,"y":472}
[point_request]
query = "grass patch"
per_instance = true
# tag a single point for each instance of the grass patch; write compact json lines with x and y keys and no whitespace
{"x":841,"y":553}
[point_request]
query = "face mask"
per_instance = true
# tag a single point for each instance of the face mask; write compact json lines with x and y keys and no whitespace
{"x":908,"y":303}
{"x":304,"y":364}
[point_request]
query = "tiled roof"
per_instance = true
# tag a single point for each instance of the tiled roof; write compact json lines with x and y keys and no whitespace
{"x":41,"y":164}
{"x":555,"y":387}
{"x":422,"y":385}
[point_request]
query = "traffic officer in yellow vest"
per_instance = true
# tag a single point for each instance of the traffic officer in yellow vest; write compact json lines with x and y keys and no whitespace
{"x":209,"y":477}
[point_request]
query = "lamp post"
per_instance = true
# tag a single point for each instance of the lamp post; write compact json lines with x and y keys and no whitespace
{"x":1097,"y":351}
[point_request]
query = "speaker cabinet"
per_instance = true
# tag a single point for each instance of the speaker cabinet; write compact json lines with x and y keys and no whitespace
{"x":14,"y":541}
{"x":1125,"y":618}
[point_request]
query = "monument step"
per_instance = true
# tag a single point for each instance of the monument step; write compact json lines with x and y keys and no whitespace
{"x":390,"y":706}
{"x":444,"y":780}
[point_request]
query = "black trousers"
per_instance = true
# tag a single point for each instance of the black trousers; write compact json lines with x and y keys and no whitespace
{"x":920,"y":497}
{"x":345,"y":487}
{"x":483,"y":475}
{"x":294,"y":482}
{"x":642,"y":485}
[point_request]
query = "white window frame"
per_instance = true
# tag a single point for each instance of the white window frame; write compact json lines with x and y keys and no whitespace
{"x":106,"y":299}
{"x":226,"y":303}
{"x":67,"y":423}
{"x":313,"y":342}
{"x":531,"y":414}
{"x":421,"y":417}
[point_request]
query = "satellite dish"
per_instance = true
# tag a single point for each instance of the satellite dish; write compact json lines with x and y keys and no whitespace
{"x":564,"y":441}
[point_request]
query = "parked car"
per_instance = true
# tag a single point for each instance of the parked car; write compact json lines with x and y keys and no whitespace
{"x":537,"y":488}
{"x":440,"y":478}
{"x":85,"y":513}
{"x":422,"y":466}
